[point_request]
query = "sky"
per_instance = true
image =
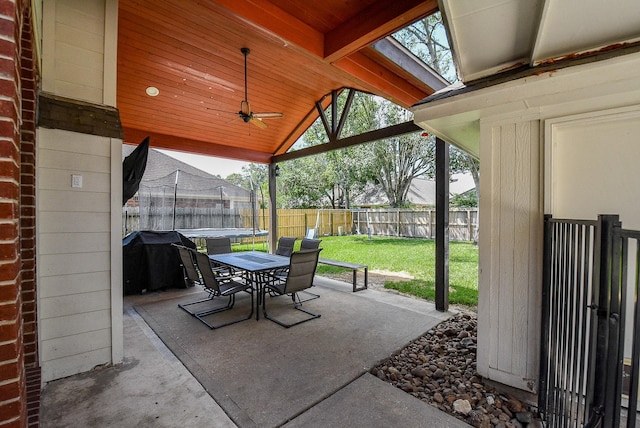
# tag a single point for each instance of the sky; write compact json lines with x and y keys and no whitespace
{"x":210,"y":164}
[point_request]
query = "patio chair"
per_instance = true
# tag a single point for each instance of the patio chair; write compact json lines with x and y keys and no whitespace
{"x":218,"y":245}
{"x":285,"y":246}
{"x":191,"y":274}
{"x":187,"y":262}
{"x":218,"y":286}
{"x":309,"y":244}
{"x":302,"y":269}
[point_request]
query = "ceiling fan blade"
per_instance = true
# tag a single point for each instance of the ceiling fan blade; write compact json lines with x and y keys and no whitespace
{"x":233,"y":120}
{"x":258,"y":122}
{"x":268,"y":115}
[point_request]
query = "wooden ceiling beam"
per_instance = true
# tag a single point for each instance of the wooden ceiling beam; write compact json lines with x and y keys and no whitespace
{"x":268,"y":18}
{"x":302,"y":127}
{"x":171,"y":142}
{"x":377,"y":21}
{"x":367,"y":137}
{"x":381,"y":80}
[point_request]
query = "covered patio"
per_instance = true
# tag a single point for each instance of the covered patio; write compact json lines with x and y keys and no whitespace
{"x":177,"y":372}
{"x":81,"y":78}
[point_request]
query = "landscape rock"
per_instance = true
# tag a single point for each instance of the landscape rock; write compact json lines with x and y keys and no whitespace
{"x":462,"y":406}
{"x":439,"y":368}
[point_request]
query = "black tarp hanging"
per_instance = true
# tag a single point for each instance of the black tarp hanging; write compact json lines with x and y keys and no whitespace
{"x":133,"y":168}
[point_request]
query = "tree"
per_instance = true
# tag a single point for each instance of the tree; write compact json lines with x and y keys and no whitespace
{"x":427,"y":40}
{"x":332,"y":179}
{"x":329,"y":179}
{"x":304,"y":182}
{"x":237,"y":179}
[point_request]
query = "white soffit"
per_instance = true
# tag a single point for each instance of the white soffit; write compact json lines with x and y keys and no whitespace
{"x":490,"y":36}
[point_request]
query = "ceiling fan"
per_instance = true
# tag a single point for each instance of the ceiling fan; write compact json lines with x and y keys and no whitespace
{"x":245,"y":112}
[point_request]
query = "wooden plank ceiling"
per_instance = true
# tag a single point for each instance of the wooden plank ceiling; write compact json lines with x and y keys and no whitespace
{"x":300,"y":52}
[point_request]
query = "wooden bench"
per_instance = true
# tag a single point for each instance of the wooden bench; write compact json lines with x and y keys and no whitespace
{"x":355,"y":267}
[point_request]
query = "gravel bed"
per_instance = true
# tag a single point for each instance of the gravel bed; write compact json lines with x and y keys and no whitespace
{"x":439,"y":368}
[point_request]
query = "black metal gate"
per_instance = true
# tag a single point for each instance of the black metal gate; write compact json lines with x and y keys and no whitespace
{"x":591,"y":272}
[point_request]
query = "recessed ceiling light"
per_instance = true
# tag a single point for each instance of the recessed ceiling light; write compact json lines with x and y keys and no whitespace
{"x":152,"y":91}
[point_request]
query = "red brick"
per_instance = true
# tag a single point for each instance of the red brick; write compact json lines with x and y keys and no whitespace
{"x":9,"y":251}
{"x":28,"y":307}
{"x":8,"y":87}
{"x":28,"y":291}
{"x":10,"y":390}
{"x":8,"y":229}
{"x":29,"y":103}
{"x":9,"y":332}
{"x":9,"y":311}
{"x":11,"y":370}
{"x":8,"y":149}
{"x":27,"y":180}
{"x":8,"y":168}
{"x":7,"y":209}
{"x":28,"y":200}
{"x":8,"y":109}
{"x":27,"y":158}
{"x":9,"y":351}
{"x":7,"y":8}
{"x":8,"y":272}
{"x":9,"y":128}
{"x":7,"y":27}
{"x":27,"y":83}
{"x":26,"y":266}
{"x":9,"y":411}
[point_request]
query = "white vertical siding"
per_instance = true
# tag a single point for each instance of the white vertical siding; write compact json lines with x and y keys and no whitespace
{"x":74,"y":252}
{"x":511,"y":230}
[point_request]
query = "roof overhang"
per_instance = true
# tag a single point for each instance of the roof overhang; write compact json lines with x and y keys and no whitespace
{"x":300,"y":52}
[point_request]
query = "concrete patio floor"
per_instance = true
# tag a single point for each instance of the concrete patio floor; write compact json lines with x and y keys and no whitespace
{"x":153,"y":388}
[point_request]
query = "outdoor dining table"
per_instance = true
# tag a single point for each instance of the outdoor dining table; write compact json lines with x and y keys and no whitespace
{"x":253,"y":263}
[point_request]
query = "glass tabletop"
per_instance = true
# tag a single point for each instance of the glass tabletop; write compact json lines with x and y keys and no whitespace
{"x":251,"y":261}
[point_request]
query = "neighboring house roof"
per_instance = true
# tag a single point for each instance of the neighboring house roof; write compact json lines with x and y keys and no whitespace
{"x":161,"y":172}
{"x":422,"y":191}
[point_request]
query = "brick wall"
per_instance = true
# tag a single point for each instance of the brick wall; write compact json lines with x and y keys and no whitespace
{"x":17,"y":310}
{"x":29,"y":81}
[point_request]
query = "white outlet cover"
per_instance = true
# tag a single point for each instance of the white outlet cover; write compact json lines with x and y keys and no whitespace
{"x":76,"y":181}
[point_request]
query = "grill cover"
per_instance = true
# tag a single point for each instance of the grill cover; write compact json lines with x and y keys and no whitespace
{"x":151,"y":263}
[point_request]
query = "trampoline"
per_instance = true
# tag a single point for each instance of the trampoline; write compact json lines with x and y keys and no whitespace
{"x":236,"y":232}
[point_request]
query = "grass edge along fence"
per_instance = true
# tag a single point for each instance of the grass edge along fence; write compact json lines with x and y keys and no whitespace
{"x":407,"y":223}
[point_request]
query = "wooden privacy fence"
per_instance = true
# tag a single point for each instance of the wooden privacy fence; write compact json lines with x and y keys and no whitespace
{"x":410,"y":223}
{"x":415,"y":223}
{"x":296,"y":222}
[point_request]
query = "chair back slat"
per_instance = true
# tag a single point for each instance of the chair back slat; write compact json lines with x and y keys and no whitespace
{"x":302,"y":269}
{"x":219,"y":245}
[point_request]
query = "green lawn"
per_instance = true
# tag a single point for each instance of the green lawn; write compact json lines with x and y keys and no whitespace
{"x":415,"y":257}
